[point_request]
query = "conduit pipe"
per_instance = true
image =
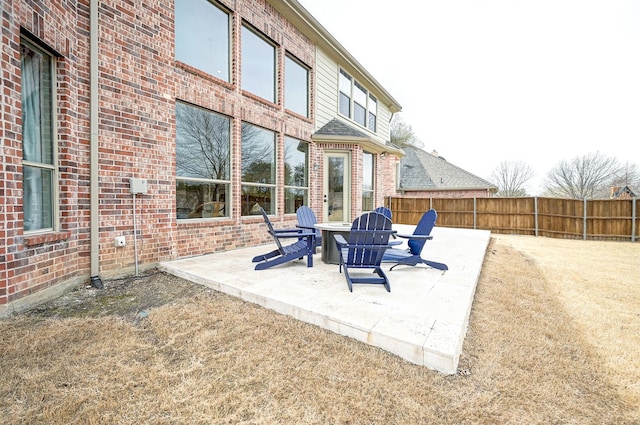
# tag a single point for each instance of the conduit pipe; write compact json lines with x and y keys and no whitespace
{"x":94,"y":169}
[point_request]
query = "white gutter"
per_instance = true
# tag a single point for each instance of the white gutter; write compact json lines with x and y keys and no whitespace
{"x":93,"y":142}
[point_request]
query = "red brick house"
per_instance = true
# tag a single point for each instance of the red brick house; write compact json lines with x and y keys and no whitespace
{"x":135,"y":132}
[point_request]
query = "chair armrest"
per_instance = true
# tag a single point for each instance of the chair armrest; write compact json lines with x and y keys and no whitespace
{"x":340,"y":240}
{"x":293,"y":233}
{"x":416,"y":237}
{"x":309,"y":229}
{"x":291,"y":230}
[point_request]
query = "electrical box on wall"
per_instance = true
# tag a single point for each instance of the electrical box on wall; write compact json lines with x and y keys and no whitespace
{"x":138,"y":186}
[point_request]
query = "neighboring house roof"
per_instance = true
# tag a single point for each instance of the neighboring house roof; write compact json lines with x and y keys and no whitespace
{"x":420,"y":170}
{"x":622,"y":192}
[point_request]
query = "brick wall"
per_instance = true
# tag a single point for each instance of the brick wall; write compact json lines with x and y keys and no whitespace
{"x":192,"y":86}
{"x":29,"y":263}
{"x":139,"y":83}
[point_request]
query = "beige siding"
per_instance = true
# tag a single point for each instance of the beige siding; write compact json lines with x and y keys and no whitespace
{"x":327,"y":98}
{"x":326,"y":89}
{"x":384,"y":123}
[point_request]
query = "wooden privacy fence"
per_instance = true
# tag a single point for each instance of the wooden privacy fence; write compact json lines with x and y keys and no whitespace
{"x":615,"y":219}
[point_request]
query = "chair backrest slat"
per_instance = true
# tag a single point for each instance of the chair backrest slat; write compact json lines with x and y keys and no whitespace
{"x":424,"y":227}
{"x":272,"y":231}
{"x":384,"y":211}
{"x":368,"y":233}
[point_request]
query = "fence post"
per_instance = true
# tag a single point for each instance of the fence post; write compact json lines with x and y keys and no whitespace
{"x":475,"y":213}
{"x":633,"y":219}
{"x":584,"y":219}
{"x":535,"y":214}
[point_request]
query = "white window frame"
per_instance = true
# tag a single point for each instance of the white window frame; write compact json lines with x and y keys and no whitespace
{"x":54,"y":210}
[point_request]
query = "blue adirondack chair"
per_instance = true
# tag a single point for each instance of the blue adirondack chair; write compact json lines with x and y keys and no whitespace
{"x":412,"y":255}
{"x":307,"y":220}
{"x":384,"y":211}
{"x":304,"y":245}
{"x":368,"y":240}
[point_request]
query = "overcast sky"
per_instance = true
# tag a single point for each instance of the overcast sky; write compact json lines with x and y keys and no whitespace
{"x":485,"y":81}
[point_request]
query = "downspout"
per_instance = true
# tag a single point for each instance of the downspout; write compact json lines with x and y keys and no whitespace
{"x":93,"y":124}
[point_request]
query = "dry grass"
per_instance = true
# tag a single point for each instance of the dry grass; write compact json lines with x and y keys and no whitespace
{"x":551,"y":341}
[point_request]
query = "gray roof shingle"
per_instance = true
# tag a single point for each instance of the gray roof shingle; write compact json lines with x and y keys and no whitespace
{"x":336,"y":127}
{"x":420,"y":170}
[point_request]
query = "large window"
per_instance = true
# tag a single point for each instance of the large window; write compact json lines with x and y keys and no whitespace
{"x":202,"y":163}
{"x":296,"y":87}
{"x":258,"y":170}
{"x":296,"y":180}
{"x":38,"y":137}
{"x":356,"y":103}
{"x":202,"y":36}
{"x":367,"y":182}
{"x":258,"y":65}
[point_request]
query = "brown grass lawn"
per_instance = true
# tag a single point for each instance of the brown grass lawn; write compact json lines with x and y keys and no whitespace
{"x":553,"y":338}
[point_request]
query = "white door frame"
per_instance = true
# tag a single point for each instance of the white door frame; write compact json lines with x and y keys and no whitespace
{"x":336,"y":207}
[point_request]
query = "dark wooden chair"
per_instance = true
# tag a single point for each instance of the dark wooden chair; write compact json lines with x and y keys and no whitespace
{"x":304,"y":245}
{"x":307,"y":220}
{"x":412,"y":256}
{"x":368,"y":240}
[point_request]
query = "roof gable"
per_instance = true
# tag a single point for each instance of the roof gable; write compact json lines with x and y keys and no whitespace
{"x":420,"y":170}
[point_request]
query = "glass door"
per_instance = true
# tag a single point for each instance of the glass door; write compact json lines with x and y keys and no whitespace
{"x":337,"y":187}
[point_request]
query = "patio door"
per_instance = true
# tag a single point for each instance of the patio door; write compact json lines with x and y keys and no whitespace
{"x":337,"y":187}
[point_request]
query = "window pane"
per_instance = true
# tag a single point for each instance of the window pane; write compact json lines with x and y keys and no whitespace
{"x":367,"y":201}
{"x":296,"y":155}
{"x":201,"y":199}
{"x":293,"y":199}
{"x":373,"y":112}
{"x":254,"y":197}
{"x":37,"y":106}
{"x":202,"y":143}
{"x":202,"y":37}
{"x":345,"y":107}
{"x":359,"y":114}
{"x":258,"y":65}
{"x":345,"y":83}
{"x":296,"y":91}
{"x":367,"y":182}
{"x":258,"y":155}
{"x":345,"y":94}
{"x":38,"y":196}
{"x":360,"y":94}
{"x":359,"y":104}
{"x":367,"y":171}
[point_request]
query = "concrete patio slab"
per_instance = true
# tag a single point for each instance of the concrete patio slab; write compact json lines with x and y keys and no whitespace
{"x":423,"y":319}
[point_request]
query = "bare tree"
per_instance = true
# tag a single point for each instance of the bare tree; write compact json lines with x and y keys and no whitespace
{"x":511,"y":177}
{"x":629,"y":175}
{"x":583,"y":177}
{"x":203,"y":147}
{"x":402,"y":134}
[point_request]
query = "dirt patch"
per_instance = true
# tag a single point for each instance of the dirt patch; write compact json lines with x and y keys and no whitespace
{"x":130,"y":297}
